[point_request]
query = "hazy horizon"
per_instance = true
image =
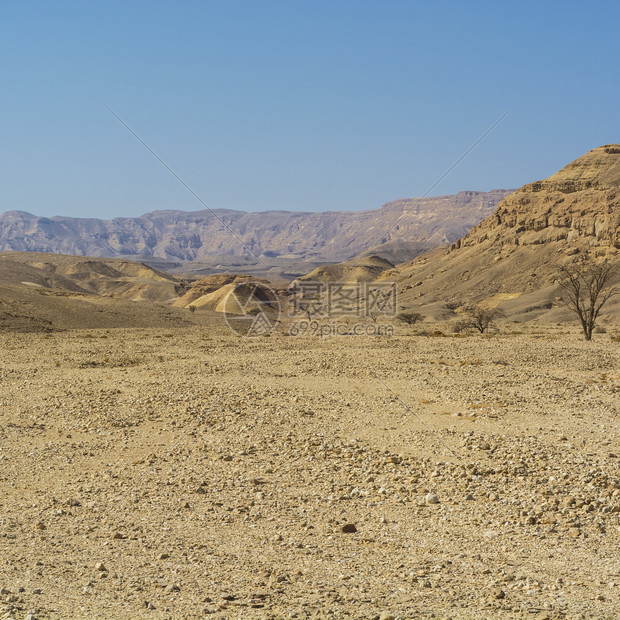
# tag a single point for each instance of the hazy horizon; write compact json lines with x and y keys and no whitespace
{"x":295,"y":106}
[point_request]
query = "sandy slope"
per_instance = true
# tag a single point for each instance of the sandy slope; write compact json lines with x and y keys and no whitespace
{"x":184,"y":473}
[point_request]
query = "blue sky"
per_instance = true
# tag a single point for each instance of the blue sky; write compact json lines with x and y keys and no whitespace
{"x":297,"y":105}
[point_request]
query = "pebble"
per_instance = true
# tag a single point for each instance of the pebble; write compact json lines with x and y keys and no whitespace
{"x":431,"y":498}
{"x":349,"y":528}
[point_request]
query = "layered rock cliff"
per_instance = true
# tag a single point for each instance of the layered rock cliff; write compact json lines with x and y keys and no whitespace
{"x":580,"y":203}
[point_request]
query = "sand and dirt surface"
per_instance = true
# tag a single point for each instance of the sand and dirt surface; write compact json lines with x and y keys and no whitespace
{"x":189,"y":473}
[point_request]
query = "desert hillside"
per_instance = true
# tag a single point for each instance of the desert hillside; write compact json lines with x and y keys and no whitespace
{"x":188,"y":236}
{"x":107,"y":277}
{"x":45,"y":292}
{"x":512,"y":257}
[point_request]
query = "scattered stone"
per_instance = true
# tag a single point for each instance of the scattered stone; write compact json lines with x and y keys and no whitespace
{"x":349,"y":528}
{"x":269,"y":526}
{"x":431,"y":498}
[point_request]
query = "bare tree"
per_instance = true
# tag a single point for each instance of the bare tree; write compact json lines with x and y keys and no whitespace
{"x":479,"y":318}
{"x":585,"y":291}
{"x":411,"y":318}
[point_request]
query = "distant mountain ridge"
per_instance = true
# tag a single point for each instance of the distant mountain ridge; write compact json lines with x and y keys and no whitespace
{"x":422,"y":223}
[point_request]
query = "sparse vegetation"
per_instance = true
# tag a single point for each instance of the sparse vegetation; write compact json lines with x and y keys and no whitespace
{"x":478,"y":318}
{"x":191,"y":308}
{"x":253,"y":311}
{"x":410,"y":318}
{"x":586,"y":290}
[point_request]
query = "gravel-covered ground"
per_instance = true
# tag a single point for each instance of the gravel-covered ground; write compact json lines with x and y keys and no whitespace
{"x":191,"y":473}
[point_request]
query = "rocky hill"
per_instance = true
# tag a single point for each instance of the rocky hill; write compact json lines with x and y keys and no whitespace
{"x":364,"y":269}
{"x":580,"y":204}
{"x":189,"y":236}
{"x":512,"y":257}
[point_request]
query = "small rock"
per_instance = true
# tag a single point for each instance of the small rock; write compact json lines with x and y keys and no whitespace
{"x":498,"y":593}
{"x":431,"y":498}
{"x":163,"y":556}
{"x":349,"y":528}
{"x":100,"y":567}
{"x":40,"y":525}
{"x":386,"y":615}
